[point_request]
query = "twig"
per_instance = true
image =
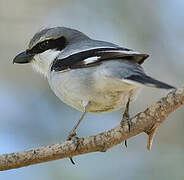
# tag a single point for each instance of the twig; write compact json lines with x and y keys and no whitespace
{"x":147,"y":121}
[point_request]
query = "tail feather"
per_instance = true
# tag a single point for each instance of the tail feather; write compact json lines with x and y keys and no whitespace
{"x":149,"y":81}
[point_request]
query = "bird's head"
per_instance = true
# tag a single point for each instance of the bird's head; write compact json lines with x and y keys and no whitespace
{"x":46,"y":45}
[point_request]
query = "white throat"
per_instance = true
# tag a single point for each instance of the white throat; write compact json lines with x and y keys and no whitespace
{"x":42,"y":61}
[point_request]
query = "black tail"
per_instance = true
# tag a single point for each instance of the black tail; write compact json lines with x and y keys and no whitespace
{"x":148,"y":81}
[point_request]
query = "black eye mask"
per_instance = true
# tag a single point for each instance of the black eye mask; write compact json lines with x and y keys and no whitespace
{"x":57,"y":44}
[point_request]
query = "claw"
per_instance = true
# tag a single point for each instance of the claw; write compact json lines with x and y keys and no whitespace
{"x":71,"y":135}
{"x":126,"y":145}
{"x":72,"y":161}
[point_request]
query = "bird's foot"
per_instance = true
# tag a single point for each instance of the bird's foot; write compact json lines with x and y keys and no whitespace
{"x":126,"y":119}
{"x":73,"y":136}
{"x":124,"y":122}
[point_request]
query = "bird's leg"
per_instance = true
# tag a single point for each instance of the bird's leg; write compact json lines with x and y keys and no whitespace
{"x":73,"y":131}
{"x":126,"y":118}
{"x":72,"y":134}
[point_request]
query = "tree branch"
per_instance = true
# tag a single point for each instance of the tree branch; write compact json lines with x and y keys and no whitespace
{"x":147,"y":121}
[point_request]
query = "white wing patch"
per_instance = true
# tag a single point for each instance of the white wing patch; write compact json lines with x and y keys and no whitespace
{"x":95,"y":58}
{"x":91,"y":59}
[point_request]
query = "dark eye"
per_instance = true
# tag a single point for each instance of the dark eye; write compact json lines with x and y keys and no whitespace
{"x":43,"y":45}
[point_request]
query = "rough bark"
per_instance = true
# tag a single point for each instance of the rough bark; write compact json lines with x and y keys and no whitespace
{"x":147,"y":121}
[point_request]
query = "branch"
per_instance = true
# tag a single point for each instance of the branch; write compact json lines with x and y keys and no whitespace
{"x":147,"y":121}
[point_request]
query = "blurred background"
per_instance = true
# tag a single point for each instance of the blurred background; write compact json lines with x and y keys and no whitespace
{"x":32,"y":116}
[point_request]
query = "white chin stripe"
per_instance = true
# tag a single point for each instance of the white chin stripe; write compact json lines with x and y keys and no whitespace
{"x":43,"y":60}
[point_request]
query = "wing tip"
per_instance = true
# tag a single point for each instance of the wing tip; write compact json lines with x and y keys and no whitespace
{"x":143,"y":58}
{"x":165,"y":86}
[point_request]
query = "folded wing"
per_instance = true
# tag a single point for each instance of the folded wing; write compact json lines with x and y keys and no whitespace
{"x":96,"y":56}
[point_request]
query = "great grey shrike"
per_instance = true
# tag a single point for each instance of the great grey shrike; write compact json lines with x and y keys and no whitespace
{"x":89,"y":75}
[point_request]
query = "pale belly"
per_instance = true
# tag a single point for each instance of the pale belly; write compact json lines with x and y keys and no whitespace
{"x":111,"y":101}
{"x":78,"y":87}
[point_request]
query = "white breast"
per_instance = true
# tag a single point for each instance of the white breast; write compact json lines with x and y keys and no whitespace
{"x":94,"y":84}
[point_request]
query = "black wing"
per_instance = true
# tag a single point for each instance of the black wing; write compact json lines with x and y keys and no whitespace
{"x":96,"y":56}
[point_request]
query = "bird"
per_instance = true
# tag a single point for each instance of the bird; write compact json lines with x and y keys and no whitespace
{"x":92,"y":76}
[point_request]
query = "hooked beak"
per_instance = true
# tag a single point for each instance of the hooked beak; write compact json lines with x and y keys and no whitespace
{"x":23,"y":57}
